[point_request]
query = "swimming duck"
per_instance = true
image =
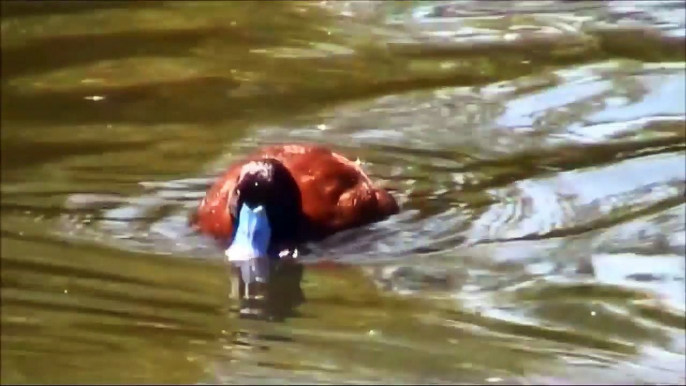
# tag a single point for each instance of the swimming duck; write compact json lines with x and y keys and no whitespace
{"x":267,"y":204}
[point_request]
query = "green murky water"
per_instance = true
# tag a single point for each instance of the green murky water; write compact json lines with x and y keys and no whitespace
{"x":537,"y":149}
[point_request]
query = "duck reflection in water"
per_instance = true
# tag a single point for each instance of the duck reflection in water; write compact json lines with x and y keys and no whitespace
{"x":266,"y":206}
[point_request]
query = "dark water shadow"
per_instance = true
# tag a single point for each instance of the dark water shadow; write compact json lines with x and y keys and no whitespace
{"x":127,"y":103}
{"x":205,"y":99}
{"x":17,"y":155}
{"x":18,"y":8}
{"x":642,"y":44}
{"x":75,"y":50}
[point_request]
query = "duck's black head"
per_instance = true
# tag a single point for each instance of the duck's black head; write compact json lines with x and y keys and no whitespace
{"x":266,"y":211}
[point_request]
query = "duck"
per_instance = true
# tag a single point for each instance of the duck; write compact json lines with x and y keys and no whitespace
{"x":269,"y":203}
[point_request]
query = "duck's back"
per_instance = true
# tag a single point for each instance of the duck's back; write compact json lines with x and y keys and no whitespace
{"x":336,"y":193}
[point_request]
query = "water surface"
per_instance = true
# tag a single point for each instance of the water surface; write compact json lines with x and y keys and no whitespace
{"x":536,"y":147}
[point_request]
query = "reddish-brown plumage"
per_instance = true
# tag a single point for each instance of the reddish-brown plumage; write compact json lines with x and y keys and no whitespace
{"x":336,"y":194}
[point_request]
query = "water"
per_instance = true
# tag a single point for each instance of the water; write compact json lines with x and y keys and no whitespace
{"x":537,"y":150}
